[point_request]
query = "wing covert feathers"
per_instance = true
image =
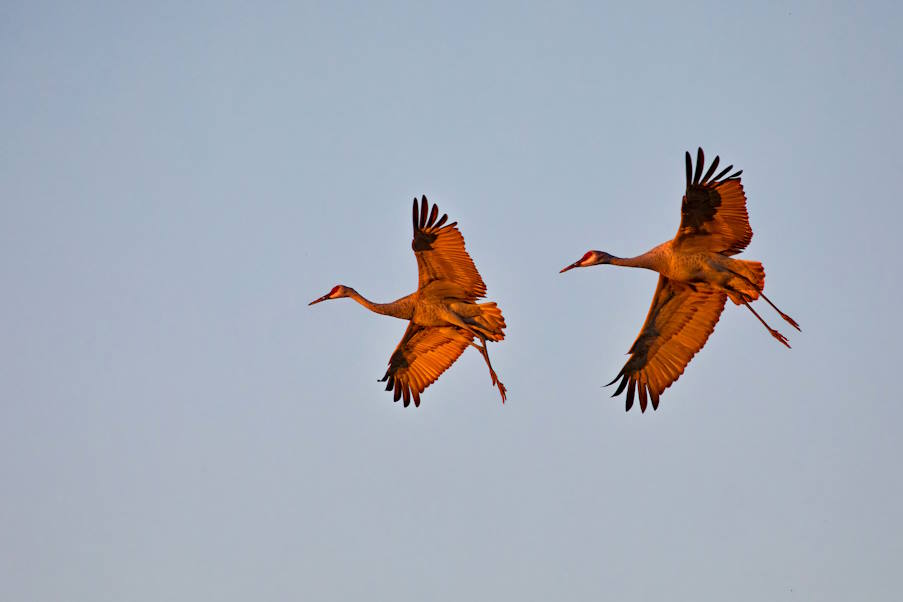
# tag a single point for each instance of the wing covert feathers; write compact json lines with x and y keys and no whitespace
{"x":441,"y":254}
{"x":679,"y":322}
{"x":713,"y":210}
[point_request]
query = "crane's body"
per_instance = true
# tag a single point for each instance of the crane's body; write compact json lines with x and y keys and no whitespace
{"x":443,"y":313}
{"x":697,"y":274}
{"x":731,"y":275}
{"x":425,"y":308}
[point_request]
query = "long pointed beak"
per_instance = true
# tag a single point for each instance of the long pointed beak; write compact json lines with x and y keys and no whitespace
{"x":323,"y":298}
{"x":570,"y":267}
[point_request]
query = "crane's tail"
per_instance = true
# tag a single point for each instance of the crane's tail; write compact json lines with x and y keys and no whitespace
{"x":491,"y":321}
{"x":750,"y":281}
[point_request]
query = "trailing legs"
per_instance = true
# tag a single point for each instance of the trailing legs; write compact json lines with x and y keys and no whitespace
{"x":773,"y":332}
{"x":492,"y":374}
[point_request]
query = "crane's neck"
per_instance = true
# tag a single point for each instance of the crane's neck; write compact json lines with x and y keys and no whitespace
{"x":402,"y":308}
{"x":650,"y":260}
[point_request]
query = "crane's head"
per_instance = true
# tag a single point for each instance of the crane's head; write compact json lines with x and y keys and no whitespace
{"x":337,"y":292}
{"x":588,"y":259}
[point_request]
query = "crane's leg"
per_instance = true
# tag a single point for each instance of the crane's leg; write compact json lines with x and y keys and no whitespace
{"x":492,"y":374}
{"x":790,"y":320}
{"x":773,"y":332}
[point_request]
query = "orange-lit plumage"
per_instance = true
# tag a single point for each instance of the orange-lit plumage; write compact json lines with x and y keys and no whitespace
{"x":696,"y":276}
{"x":443,"y":313}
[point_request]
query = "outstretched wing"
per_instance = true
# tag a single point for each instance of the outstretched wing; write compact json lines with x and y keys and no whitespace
{"x":441,"y":255}
{"x":713,"y":211}
{"x":680,"y":320}
{"x":422,"y":355}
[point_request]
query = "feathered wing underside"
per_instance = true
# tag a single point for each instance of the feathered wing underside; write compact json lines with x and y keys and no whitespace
{"x":713,"y":211}
{"x":441,"y":254}
{"x":680,"y":320}
{"x":421,"y":356}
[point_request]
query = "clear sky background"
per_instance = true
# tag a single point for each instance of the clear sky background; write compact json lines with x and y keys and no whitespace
{"x":178,"y":182}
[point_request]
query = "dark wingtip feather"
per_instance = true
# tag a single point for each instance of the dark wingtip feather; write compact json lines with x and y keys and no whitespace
{"x":433,"y":214}
{"x":621,"y":373}
{"x":689,"y":171}
{"x":655,"y":398}
{"x":711,"y":170}
{"x":424,"y":207}
{"x":643,"y":399}
{"x":631,"y":389}
{"x":621,"y":386}
{"x":700,"y":159}
{"x":722,"y":172}
{"x":416,"y":217}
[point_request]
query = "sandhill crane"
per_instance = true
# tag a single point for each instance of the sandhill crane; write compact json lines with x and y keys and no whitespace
{"x":696,"y":275}
{"x":443,"y":313}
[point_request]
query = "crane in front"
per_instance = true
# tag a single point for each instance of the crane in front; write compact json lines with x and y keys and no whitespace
{"x":697,"y":274}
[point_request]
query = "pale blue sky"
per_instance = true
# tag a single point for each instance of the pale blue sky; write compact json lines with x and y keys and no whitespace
{"x":178,"y":182}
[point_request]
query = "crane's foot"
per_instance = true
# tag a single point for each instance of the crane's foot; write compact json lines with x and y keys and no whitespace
{"x":502,"y":390}
{"x":498,"y":383}
{"x":790,"y":320}
{"x":779,"y":337}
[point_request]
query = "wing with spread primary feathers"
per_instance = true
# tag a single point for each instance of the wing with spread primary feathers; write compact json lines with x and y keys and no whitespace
{"x":422,"y":355}
{"x":441,"y":254}
{"x":713,"y":211}
{"x":680,"y":320}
